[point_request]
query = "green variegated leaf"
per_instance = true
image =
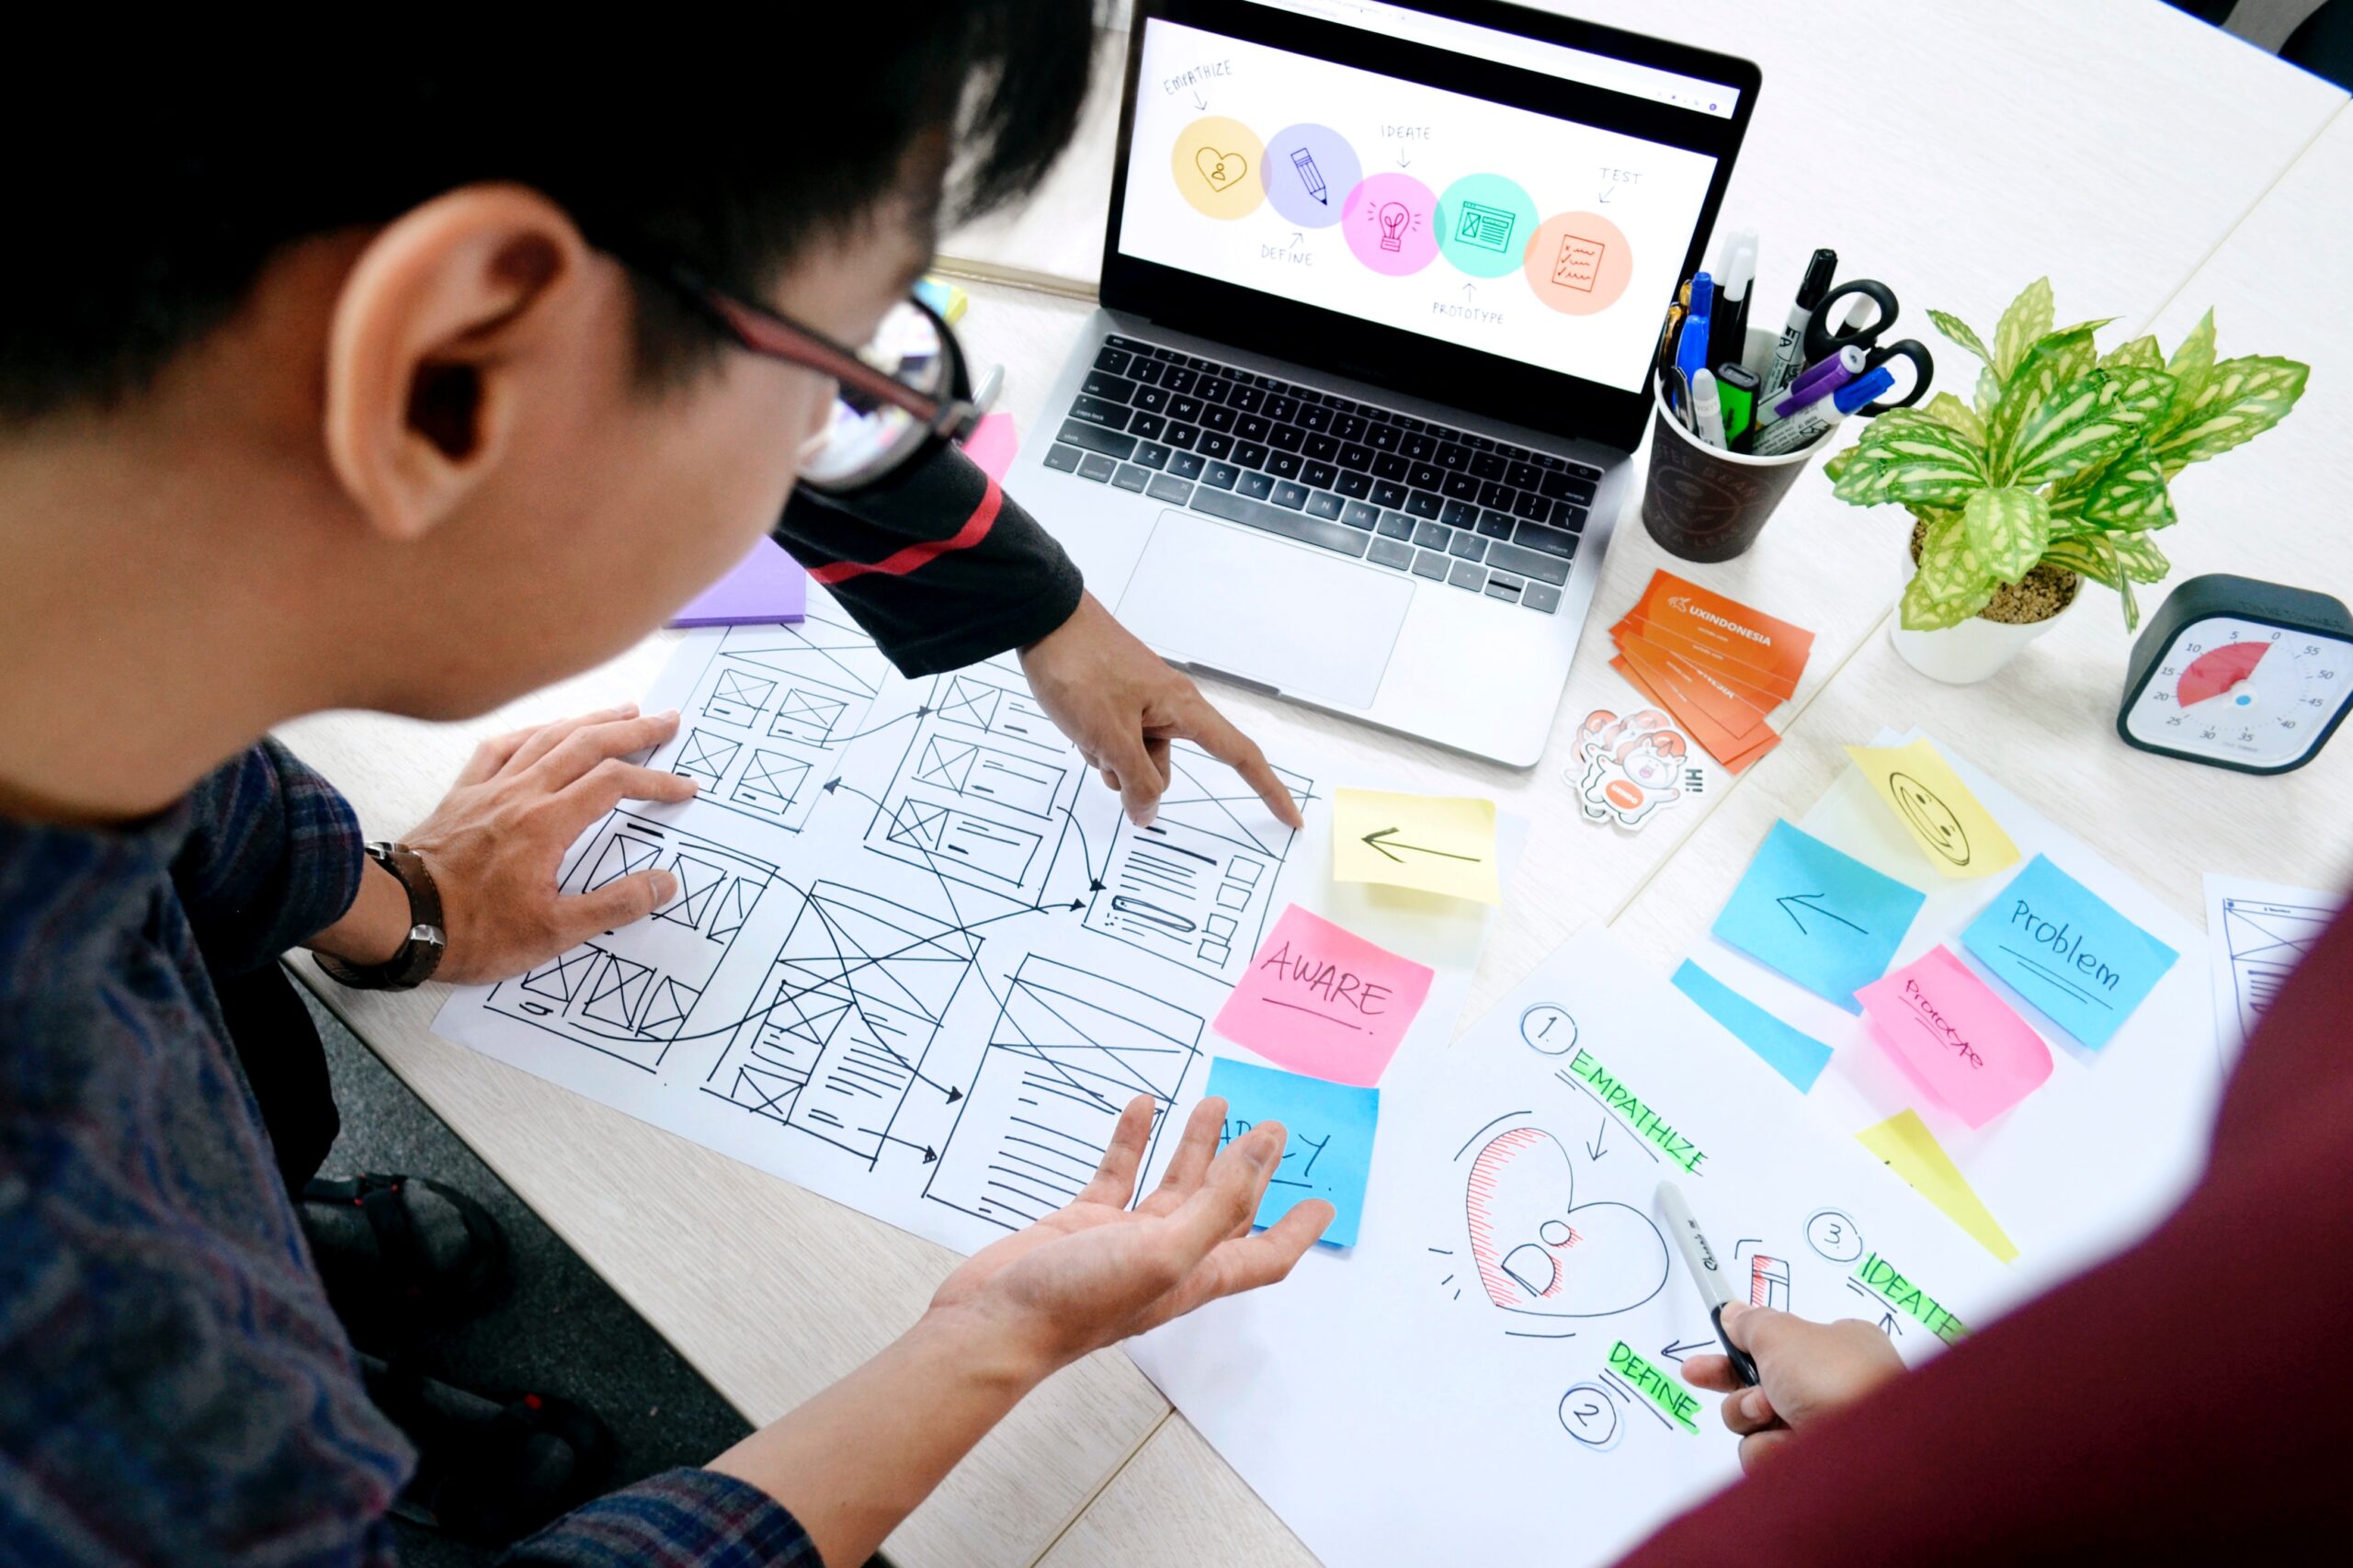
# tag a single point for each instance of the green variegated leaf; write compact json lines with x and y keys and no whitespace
{"x":2027,"y":318}
{"x":2130,"y":493}
{"x":1950,"y":410}
{"x":2081,"y":326}
{"x":2124,"y":594}
{"x":2142,"y":351}
{"x":1837,"y":465}
{"x":1988,"y":396}
{"x":1952,"y":583}
{"x":2087,"y":421}
{"x":1960,"y":332}
{"x":2008,"y":529}
{"x":2138,"y":555}
{"x":2082,"y":555}
{"x":2192,"y":366}
{"x":2053,"y":363}
{"x":2243,"y":398}
{"x":1906,"y":455}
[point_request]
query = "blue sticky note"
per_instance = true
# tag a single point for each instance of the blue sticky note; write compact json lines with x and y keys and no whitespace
{"x":1330,"y":1152}
{"x":1793,"y":1053}
{"x":1822,"y":917}
{"x":2059,"y":945}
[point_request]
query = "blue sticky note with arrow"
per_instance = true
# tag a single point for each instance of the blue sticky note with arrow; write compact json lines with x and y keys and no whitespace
{"x":1329,"y":1153}
{"x":2064,"y":948}
{"x":1817,"y":914}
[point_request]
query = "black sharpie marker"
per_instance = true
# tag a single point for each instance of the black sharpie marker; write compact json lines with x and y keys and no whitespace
{"x":1702,"y":1260}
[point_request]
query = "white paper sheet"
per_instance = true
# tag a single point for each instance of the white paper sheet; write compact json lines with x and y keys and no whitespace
{"x":919,"y":961}
{"x":1443,"y":1393}
{"x":2256,"y":933}
{"x":2089,"y":1161}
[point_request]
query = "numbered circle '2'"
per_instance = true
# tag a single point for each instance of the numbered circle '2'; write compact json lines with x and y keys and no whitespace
{"x":1547,"y":1028}
{"x":1588,"y":1414}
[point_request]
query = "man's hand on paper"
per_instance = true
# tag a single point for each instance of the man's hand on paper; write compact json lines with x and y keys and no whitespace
{"x":495,"y":841}
{"x":1120,"y":705}
{"x":1809,"y":1369}
{"x":1095,"y":1272}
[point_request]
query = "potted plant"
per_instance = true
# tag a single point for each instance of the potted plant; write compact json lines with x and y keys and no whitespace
{"x":2056,"y":472}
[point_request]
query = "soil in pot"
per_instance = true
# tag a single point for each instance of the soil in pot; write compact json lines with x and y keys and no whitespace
{"x":2040,"y":594}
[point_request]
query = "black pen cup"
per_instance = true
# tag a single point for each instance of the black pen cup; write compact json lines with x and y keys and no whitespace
{"x":1701,"y":502}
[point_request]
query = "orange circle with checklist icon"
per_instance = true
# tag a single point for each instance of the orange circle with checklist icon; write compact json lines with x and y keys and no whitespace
{"x":1579,"y":262}
{"x":1217,"y":167}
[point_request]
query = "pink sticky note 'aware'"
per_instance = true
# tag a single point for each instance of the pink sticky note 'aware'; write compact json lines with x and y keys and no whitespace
{"x":1321,"y":1000}
{"x":993,"y":443}
{"x":1959,"y":1039}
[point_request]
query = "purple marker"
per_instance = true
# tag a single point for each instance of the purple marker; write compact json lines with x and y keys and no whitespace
{"x":1824,"y":377}
{"x":1812,"y":424}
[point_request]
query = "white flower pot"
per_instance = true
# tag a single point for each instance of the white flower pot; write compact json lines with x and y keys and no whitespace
{"x":1977,"y":648}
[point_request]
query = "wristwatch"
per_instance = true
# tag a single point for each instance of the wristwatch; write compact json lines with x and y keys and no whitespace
{"x":421,"y":954}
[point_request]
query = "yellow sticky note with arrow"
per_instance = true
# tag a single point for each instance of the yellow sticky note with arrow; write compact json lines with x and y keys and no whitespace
{"x":1442,"y":844}
{"x":1944,"y":819}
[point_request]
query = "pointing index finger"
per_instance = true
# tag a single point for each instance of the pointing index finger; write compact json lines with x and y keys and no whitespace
{"x":1215,"y":734}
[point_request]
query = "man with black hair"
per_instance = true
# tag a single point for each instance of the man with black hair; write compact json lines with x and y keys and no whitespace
{"x":409,"y":382}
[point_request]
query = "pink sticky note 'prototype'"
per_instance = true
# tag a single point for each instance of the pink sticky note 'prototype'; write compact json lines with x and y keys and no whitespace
{"x":1958,"y":1037}
{"x":1321,"y":1000}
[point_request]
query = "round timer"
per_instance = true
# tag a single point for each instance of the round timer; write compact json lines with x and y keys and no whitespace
{"x":2239,"y":674}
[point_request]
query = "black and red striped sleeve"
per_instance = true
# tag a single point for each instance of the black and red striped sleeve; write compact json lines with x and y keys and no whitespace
{"x":938,"y":564}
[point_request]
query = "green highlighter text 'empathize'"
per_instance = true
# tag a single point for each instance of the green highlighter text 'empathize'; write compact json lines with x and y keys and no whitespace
{"x":1645,"y":1121}
{"x":1909,"y":1299}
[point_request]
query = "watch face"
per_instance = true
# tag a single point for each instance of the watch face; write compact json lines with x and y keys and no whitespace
{"x":2243,"y":691}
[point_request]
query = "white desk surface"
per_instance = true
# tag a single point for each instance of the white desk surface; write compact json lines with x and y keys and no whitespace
{"x":2118,"y":146}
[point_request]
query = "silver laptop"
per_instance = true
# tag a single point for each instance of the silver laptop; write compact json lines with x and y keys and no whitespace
{"x":1381,"y":297}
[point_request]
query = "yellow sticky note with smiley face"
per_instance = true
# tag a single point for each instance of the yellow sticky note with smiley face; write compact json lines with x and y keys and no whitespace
{"x":1955,"y":832}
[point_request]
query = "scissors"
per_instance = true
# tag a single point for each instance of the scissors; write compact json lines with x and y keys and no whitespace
{"x":1822,"y":339}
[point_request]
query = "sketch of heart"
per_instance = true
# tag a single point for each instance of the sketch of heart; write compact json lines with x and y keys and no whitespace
{"x":1221,"y":169}
{"x":1539,"y":1250}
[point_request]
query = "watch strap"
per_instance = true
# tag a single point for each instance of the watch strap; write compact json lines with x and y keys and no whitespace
{"x":419,"y":956}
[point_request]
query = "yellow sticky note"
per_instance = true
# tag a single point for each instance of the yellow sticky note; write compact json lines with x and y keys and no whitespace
{"x":1936,"y":808}
{"x":1906,"y":1143}
{"x":1442,"y":844}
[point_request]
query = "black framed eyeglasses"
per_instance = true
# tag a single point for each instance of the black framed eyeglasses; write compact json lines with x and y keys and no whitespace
{"x":899,"y":398}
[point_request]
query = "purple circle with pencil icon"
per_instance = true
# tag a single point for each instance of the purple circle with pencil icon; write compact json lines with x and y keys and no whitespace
{"x":1309,"y":170}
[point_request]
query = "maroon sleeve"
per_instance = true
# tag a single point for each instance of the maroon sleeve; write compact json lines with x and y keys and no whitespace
{"x":2183,"y":1401}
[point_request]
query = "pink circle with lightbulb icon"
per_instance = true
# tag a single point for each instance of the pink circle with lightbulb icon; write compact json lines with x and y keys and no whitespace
{"x":1389,"y":224}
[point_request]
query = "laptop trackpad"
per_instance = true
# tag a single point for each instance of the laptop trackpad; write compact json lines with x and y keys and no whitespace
{"x":1297,"y":618}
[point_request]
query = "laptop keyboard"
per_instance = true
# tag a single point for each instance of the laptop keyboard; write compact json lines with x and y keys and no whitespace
{"x":1396,"y":492}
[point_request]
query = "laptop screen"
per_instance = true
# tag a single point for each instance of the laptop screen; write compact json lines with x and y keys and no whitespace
{"x":1469,"y":184}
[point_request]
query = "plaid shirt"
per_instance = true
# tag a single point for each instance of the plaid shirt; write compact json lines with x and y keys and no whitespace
{"x":173,"y":1386}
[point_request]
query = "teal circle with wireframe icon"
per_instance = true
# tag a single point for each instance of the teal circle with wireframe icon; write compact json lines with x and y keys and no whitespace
{"x":1484,"y":224}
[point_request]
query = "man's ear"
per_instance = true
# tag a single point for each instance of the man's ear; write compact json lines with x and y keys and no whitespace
{"x":445,"y":320}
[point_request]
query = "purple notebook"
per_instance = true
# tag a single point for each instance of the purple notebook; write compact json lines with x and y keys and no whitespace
{"x":768,"y":586}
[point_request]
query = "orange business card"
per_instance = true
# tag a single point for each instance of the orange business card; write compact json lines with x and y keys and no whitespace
{"x":1735,"y":752}
{"x":1752,"y":684}
{"x":1691,"y":685}
{"x":1774,"y":647}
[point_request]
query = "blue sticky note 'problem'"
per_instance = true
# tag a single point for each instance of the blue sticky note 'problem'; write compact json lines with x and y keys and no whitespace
{"x":1818,"y":915}
{"x":2062,"y":947}
{"x":1793,"y":1053}
{"x":1330,"y":1151}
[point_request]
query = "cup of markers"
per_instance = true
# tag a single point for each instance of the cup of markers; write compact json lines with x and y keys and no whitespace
{"x":1727,"y":441}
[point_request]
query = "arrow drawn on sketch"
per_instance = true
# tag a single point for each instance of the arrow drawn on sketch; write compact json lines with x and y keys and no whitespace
{"x":1676,"y":1349}
{"x":930,"y":1154}
{"x":1604,"y":197}
{"x":1799,"y":899}
{"x":1389,"y":846}
{"x":1592,"y":1144}
{"x":1198,"y":101}
{"x":845,"y":740}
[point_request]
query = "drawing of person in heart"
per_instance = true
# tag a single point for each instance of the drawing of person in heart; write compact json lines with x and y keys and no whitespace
{"x":1539,"y":1251}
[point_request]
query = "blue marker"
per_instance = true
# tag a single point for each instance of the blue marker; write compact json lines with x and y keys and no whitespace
{"x":1691,"y":352}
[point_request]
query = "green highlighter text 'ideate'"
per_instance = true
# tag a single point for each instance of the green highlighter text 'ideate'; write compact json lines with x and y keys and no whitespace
{"x":1909,"y":1299}
{"x":1645,"y":1121}
{"x":1656,"y":1386}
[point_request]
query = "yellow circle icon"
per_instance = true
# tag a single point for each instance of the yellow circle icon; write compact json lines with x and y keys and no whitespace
{"x":1216,"y":166}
